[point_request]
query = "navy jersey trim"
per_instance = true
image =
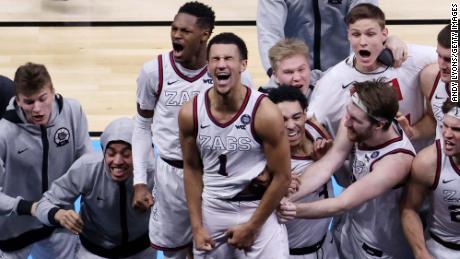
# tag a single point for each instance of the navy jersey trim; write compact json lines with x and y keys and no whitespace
{"x":392,"y":152}
{"x":168,"y":249}
{"x":195,"y":115}
{"x":236,"y":116}
{"x":186,"y":78}
{"x":435,"y":85}
{"x":438,"y":164}
{"x":454,"y":166}
{"x":253,"y":122}
{"x":301,"y":157}
{"x":160,"y":76}
{"x":365,"y":147}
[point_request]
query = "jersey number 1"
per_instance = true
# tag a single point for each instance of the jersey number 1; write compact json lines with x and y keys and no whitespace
{"x":223,"y":165}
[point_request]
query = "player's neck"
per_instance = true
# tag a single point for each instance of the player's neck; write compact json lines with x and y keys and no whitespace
{"x":366,"y":69}
{"x":224,"y":106}
{"x":304,"y":148}
{"x":196,"y":61}
{"x":380,"y":137}
{"x":456,"y":159}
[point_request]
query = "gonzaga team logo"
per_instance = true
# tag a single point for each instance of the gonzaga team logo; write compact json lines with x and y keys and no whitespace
{"x":359,"y":169}
{"x":61,"y":137}
{"x":245,"y":119}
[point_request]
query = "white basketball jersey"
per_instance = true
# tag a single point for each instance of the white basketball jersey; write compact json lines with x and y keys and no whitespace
{"x":445,"y":199}
{"x":332,"y":92}
{"x":230,"y":152}
{"x":377,"y":222}
{"x":174,"y":89}
{"x":307,"y":232}
{"x":439,"y":94}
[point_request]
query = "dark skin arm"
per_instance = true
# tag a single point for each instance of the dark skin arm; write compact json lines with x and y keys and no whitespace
{"x":193,"y":178}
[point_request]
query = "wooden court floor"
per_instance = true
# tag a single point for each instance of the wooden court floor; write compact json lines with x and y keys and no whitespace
{"x":99,"y":65}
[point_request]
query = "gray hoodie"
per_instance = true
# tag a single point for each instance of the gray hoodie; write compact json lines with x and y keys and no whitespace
{"x":34,"y":157}
{"x":111,"y":226}
{"x":8,"y":205}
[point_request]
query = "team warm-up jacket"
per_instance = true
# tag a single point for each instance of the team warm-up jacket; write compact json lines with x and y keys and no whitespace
{"x":35,"y":156}
{"x":111,"y":226}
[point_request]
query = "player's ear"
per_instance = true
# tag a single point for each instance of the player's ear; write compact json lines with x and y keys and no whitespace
{"x":243,"y":65}
{"x":205,"y":34}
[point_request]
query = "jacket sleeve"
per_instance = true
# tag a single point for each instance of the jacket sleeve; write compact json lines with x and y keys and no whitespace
{"x":82,"y":140}
{"x":8,"y":205}
{"x":64,"y":191}
{"x":271,"y":17}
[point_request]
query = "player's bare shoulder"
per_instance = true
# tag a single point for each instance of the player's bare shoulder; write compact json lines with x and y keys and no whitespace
{"x":186,"y":116}
{"x":428,"y":78}
{"x":268,"y":119}
{"x":425,"y":164}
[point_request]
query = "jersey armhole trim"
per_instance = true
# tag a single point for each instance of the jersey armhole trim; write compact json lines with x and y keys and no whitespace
{"x":160,"y":76}
{"x":435,"y":84}
{"x":392,"y":152}
{"x":438,"y":164}
{"x":253,"y":122}
{"x":195,"y":115}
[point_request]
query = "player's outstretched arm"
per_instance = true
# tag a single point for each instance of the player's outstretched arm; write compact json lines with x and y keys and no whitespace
{"x":421,"y":179}
{"x":142,"y":198}
{"x":193,"y":177}
{"x":321,"y":171}
{"x":387,"y":173}
{"x":269,"y":127}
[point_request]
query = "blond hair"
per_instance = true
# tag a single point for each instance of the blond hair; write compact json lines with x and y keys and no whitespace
{"x":287,"y":48}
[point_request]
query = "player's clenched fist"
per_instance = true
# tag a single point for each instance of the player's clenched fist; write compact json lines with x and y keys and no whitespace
{"x":142,"y":199}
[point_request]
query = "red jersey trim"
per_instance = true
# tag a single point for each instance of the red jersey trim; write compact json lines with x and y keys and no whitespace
{"x":253,"y":121}
{"x":438,"y":164}
{"x":186,"y":78}
{"x":160,"y":76}
{"x":233,"y":119}
{"x":195,"y":114}
{"x":435,"y":85}
{"x":395,"y":151}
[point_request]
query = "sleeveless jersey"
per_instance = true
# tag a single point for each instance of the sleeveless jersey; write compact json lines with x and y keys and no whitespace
{"x":377,"y":222}
{"x":332,"y":91}
{"x":439,"y":94}
{"x":445,"y":199}
{"x":174,"y":89}
{"x":230,"y":152}
{"x":307,"y":232}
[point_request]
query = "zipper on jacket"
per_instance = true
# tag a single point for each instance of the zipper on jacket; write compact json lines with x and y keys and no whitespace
{"x":123,"y":213}
{"x":45,"y":159}
{"x":317,"y":36}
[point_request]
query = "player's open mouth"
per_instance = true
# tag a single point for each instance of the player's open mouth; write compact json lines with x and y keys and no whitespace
{"x":364,"y":53}
{"x":222,"y":77}
{"x":449,"y":143}
{"x":178,"y":47}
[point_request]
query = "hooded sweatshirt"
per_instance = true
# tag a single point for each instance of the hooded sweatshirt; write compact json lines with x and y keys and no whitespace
{"x":35,"y":156}
{"x":112,"y":228}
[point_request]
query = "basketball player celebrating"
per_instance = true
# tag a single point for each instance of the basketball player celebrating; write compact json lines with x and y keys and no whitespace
{"x":229,"y":135}
{"x":434,"y":80}
{"x":367,"y":34}
{"x":307,"y":238}
{"x":164,"y":84}
{"x":435,"y":173}
{"x":381,"y":159}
